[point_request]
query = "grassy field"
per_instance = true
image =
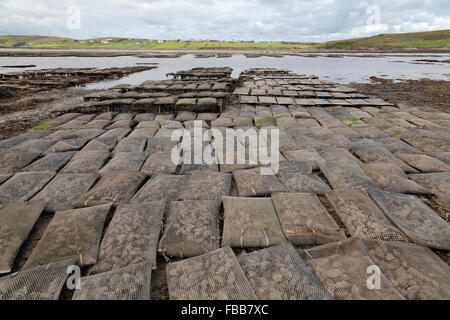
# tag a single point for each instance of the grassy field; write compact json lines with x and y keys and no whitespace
{"x":125,"y":43}
{"x":420,"y":40}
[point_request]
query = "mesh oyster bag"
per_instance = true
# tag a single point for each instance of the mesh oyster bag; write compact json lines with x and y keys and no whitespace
{"x":192,"y":228}
{"x":213,"y":276}
{"x":250,"y":183}
{"x":207,"y":185}
{"x":378,"y":153}
{"x":279,"y":273}
{"x":251,"y":223}
{"x":24,"y":185}
{"x":72,"y":234}
{"x":129,"y":283}
{"x":161,"y":187}
{"x":159,"y":163}
{"x":342,"y":268}
{"x":362,"y":217}
{"x":416,"y":272}
{"x":346,"y":175}
{"x":304,"y":219}
{"x":298,"y":182}
{"x":131,"y":238}
{"x":311,"y":156}
{"x":391,"y":178}
{"x":12,"y":161}
{"x":60,"y":193}
{"x":438,"y":183}
{"x":125,"y":161}
{"x":51,"y":162}
{"x":424,"y":162}
{"x":115,"y":186}
{"x":418,"y":221}
{"x":16,"y":222}
{"x":41,"y":283}
{"x":86,"y":162}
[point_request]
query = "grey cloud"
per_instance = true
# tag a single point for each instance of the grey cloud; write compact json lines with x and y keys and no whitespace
{"x":289,"y":20}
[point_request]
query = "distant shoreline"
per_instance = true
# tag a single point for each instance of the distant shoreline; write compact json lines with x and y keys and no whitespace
{"x":104,"y":52}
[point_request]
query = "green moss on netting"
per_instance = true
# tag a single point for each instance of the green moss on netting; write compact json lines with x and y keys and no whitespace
{"x":48,"y":125}
{"x":266,"y":122}
{"x":186,"y":101}
{"x":351,"y":122}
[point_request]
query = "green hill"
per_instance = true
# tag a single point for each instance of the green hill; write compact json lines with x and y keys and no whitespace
{"x":419,"y":40}
{"x":29,"y":41}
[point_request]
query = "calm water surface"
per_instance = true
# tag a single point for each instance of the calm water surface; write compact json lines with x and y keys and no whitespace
{"x":338,"y":69}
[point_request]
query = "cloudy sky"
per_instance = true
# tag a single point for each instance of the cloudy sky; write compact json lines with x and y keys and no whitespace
{"x":289,"y":20}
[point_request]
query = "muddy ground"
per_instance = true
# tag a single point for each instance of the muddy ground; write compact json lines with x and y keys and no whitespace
{"x":19,"y":114}
{"x":27,"y":98}
{"x":413,"y":93}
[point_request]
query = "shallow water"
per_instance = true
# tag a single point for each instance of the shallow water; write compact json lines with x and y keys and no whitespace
{"x":338,"y":68}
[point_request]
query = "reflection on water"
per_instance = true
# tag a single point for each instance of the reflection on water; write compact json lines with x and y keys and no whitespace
{"x":338,"y":69}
